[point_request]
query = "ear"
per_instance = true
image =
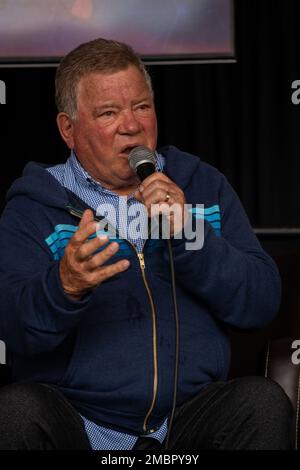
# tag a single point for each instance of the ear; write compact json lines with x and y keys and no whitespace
{"x":66,"y":128}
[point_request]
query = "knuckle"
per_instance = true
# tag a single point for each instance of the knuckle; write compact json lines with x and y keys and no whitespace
{"x":69,"y":254}
{"x":157,"y":184}
{"x":76,"y":236}
{"x":81,"y":252}
{"x":103,"y":255}
{"x":90,"y":264}
{"x":91,"y":280}
{"x":162,"y":193}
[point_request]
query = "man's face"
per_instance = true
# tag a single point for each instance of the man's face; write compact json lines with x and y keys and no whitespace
{"x":115,"y":113}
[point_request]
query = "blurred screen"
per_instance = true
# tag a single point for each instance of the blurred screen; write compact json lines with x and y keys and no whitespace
{"x":43,"y":29}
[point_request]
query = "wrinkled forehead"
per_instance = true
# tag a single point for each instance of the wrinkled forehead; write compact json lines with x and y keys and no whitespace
{"x":107,"y":85}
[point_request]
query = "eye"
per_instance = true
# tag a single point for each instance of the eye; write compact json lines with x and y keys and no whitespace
{"x":143,"y":107}
{"x":107,"y":114}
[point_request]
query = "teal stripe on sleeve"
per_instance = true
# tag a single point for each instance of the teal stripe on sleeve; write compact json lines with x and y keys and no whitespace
{"x":59,"y":239}
{"x":209,"y":218}
{"x":205,"y":210}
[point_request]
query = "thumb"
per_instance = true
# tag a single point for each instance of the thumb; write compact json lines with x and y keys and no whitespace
{"x":138,"y":195}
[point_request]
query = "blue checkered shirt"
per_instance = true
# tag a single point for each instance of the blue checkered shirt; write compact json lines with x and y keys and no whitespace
{"x":73,"y":176}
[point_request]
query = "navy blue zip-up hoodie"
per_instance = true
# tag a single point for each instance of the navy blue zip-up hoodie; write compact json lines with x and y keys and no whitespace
{"x":112,"y":353}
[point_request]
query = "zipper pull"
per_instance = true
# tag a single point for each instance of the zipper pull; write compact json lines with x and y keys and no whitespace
{"x":141,"y":260}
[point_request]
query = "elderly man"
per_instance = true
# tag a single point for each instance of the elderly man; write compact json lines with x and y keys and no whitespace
{"x":89,"y":319}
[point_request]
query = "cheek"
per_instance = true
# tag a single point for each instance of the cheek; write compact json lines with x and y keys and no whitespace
{"x":104,"y":135}
{"x":151,"y":129}
{"x":96,"y":138}
{"x":149,"y":125}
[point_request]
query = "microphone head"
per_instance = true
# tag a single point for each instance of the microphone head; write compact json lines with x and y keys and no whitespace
{"x":140,"y":155}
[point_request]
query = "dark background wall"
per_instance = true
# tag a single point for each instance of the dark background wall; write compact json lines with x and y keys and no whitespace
{"x":238,"y":117}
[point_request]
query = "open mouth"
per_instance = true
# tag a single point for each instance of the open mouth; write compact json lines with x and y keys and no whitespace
{"x":126,"y":150}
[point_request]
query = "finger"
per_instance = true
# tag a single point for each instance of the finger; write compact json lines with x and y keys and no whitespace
{"x":103,"y":256}
{"x":86,"y":228}
{"x":138,"y":195}
{"x":155,"y":193}
{"x":157,"y":176}
{"x":106,"y":272}
{"x":155,"y":184}
{"x":87,"y":249}
{"x":87,"y":216}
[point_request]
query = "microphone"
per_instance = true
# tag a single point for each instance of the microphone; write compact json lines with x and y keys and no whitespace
{"x":142,"y":161}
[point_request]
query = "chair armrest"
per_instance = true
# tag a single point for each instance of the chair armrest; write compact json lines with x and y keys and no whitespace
{"x":280,"y":368}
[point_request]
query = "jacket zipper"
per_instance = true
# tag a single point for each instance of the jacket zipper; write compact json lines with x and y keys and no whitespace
{"x":154,"y":340}
{"x":153,"y":313}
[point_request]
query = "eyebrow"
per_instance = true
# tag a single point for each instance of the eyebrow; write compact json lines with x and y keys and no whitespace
{"x":99,"y":109}
{"x":111,"y":104}
{"x":143,"y":98}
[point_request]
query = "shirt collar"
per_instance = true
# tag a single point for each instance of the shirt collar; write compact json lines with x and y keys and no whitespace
{"x":85,"y":179}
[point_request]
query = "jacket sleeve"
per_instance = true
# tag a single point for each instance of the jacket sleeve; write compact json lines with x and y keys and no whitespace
{"x":35,"y":314}
{"x":231,"y":273}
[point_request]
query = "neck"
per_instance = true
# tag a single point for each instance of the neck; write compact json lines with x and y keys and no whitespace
{"x":121,"y":190}
{"x":124,"y":191}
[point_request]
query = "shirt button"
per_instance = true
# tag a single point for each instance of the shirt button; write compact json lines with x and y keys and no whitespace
{"x":151,"y":431}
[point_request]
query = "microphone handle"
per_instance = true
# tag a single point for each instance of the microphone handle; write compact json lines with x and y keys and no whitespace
{"x":144,"y":170}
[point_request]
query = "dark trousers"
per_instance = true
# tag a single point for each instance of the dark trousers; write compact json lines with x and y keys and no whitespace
{"x":246,"y":413}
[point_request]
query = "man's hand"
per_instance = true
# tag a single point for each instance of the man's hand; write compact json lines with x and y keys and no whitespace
{"x":80,"y":268}
{"x":158,"y":193}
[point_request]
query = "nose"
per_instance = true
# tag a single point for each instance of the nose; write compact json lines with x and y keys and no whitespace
{"x":129,"y":123}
